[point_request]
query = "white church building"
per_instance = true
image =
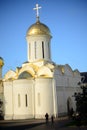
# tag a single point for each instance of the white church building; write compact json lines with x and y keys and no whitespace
{"x":39,"y":86}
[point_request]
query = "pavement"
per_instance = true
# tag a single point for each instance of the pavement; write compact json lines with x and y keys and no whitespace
{"x":38,"y":124}
{"x":19,"y":124}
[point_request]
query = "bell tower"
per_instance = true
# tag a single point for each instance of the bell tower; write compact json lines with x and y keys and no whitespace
{"x":38,"y":40}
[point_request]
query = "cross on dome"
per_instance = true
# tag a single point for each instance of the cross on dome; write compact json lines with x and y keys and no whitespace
{"x":37,"y":10}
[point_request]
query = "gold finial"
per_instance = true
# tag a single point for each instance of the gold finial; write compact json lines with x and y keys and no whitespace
{"x":37,"y":11}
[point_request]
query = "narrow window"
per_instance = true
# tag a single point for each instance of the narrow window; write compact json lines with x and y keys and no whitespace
{"x":38,"y":99}
{"x":29,"y":50}
{"x":26,"y":103}
{"x":35,"y":50}
{"x":19,"y":103}
{"x":43,"y":49}
{"x":68,"y":82}
{"x":48,"y":50}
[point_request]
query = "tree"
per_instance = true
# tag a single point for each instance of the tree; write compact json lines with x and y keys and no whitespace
{"x":81,"y":101}
{"x":1,"y":112}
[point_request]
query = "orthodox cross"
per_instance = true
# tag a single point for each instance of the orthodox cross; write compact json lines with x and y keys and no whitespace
{"x":37,"y":10}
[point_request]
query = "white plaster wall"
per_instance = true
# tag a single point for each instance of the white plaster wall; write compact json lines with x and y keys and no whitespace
{"x":47,"y":102}
{"x":11,"y":108}
{"x":61,"y":101}
{"x":67,"y":85}
{"x":44,"y":88}
{"x":23,"y":87}
{"x":8,"y":100}
{"x":45,"y":95}
{"x":63,"y":94}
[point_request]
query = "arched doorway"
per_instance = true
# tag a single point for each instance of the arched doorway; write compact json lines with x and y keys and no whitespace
{"x":69,"y":106}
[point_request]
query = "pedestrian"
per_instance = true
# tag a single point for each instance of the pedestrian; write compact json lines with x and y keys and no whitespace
{"x":46,"y":116}
{"x":52,"y":119}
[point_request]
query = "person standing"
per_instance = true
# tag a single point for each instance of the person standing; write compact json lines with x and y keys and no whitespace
{"x":46,"y":116}
{"x":52,"y":119}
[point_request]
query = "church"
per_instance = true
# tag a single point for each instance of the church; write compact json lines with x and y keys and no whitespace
{"x":39,"y":86}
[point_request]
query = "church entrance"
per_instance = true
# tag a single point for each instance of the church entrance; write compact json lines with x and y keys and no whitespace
{"x":69,"y":106}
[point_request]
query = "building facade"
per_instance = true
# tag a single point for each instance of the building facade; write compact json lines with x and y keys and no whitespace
{"x":39,"y":86}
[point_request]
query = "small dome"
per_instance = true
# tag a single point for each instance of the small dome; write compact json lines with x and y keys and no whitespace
{"x":1,"y":62}
{"x":38,"y":29}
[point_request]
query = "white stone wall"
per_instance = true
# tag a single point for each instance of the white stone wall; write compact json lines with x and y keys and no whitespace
{"x":12,"y":108}
{"x":66,"y":86}
{"x":44,"y":98}
{"x":24,"y":109}
{"x":44,"y":94}
{"x":40,"y":98}
{"x":63,"y":94}
{"x":8,"y":100}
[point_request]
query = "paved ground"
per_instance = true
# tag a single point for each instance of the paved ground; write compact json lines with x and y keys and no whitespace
{"x":59,"y":124}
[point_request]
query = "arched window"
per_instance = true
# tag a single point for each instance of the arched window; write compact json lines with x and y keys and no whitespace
{"x":29,"y":50}
{"x":24,"y":75}
{"x":48,"y":50}
{"x":19,"y":102}
{"x":43,"y":49}
{"x":35,"y":50}
{"x":26,"y":102}
{"x":69,"y":105}
{"x":38,"y":99}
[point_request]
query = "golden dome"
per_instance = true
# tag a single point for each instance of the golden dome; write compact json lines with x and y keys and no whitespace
{"x":1,"y":62}
{"x":38,"y":29}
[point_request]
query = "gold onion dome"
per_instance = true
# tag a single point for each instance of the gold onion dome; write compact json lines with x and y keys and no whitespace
{"x":1,"y":62}
{"x":38,"y":29}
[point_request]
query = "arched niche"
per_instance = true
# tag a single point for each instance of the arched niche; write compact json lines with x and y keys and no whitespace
{"x":24,"y":75}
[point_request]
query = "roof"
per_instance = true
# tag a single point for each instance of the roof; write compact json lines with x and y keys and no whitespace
{"x":38,"y":29}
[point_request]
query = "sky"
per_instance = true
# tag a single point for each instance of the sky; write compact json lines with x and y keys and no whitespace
{"x":67,"y":20}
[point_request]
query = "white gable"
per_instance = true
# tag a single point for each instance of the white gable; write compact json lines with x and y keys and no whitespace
{"x":67,"y":70}
{"x":28,"y":69}
{"x":44,"y":71}
{"x":10,"y":75}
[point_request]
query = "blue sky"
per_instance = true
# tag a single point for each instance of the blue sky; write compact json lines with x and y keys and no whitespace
{"x":67,"y":20}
